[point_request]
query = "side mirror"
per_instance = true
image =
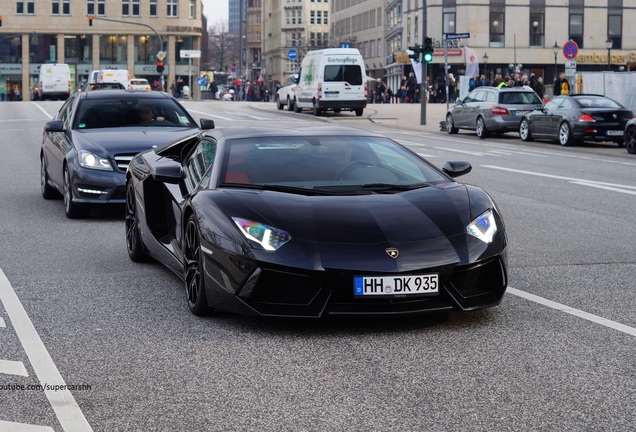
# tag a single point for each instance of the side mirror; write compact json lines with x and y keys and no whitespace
{"x":54,"y":126}
{"x":456,"y":168}
{"x":169,"y":173}
{"x":207,"y":124}
{"x":459,"y":102}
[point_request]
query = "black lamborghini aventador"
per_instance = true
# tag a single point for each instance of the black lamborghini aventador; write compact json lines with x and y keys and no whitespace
{"x":313,"y":222}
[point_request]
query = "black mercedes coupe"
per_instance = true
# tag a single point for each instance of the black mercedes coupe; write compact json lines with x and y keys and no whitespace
{"x":86,"y":149}
{"x":313,"y":222}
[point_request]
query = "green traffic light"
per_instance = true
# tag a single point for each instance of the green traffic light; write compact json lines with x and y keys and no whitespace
{"x":428,"y":57}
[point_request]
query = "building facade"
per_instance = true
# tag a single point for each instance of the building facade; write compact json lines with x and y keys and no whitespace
{"x":125,"y":34}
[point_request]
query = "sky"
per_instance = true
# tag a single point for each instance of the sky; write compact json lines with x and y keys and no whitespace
{"x":215,"y":10}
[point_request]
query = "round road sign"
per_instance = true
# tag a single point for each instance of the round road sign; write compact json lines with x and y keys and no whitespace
{"x":292,"y":54}
{"x":570,"y":50}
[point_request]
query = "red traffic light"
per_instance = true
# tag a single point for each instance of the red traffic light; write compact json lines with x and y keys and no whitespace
{"x":0,"y":21}
{"x":90,"y":20}
{"x":160,"y":66}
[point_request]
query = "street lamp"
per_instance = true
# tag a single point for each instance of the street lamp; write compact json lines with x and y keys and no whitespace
{"x":609,"y":43}
{"x":485,"y":57}
{"x":555,"y":50}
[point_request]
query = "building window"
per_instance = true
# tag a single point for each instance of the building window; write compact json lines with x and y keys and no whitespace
{"x":318,"y":17}
{"x":449,"y":21}
{"x":324,"y":17}
{"x":19,"y":8}
{"x":135,"y":8}
{"x":101,"y":7}
{"x":615,"y":23}
{"x":173,"y":8}
{"x":55,"y":7}
{"x":312,"y":17}
{"x":193,"y":9}
{"x":576,"y":22}
{"x":66,"y":7}
{"x":537,"y":26}
{"x":125,"y":7}
{"x":153,"y":8}
{"x":497,"y":26}
{"x":90,"y":7}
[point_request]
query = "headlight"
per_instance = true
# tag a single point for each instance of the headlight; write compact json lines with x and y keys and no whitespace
{"x":89,"y":160}
{"x":483,"y":227}
{"x":268,"y":237}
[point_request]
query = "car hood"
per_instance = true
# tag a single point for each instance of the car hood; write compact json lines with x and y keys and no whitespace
{"x":107,"y":142}
{"x":427,"y":226}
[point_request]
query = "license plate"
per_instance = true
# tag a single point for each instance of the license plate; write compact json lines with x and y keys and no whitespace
{"x":395,"y":285}
{"x":614,"y":132}
{"x":520,"y":113}
{"x":331,"y":94}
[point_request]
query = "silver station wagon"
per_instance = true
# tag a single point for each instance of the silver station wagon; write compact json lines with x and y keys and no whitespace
{"x":491,"y":109}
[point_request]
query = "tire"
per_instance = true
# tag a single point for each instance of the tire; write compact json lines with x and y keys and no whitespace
{"x":72,"y":210}
{"x":359,"y":112}
{"x":48,"y":191}
{"x":524,"y":130}
{"x":630,"y":140}
{"x":279,"y":105}
{"x":194,"y":274}
{"x":297,"y":109}
{"x":565,"y":134}
{"x":337,"y":110}
{"x":450,"y":125}
{"x":290,"y":105}
{"x":481,"y":130}
{"x":134,"y":244}
{"x":317,"y":110}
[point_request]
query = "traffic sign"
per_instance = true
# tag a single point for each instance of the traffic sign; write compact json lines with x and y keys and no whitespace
{"x":190,"y":53}
{"x":452,"y":36}
{"x":201,"y":81}
{"x":292,"y":54}
{"x":570,"y":49}
{"x":161,"y":55}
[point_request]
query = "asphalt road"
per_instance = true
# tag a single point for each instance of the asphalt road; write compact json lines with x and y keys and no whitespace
{"x":119,"y":350}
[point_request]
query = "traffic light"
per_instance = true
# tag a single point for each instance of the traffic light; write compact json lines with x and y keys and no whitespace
{"x":428,"y":49}
{"x":90,"y":20}
{"x":0,"y":21}
{"x":417,"y":50}
{"x":160,"y":66}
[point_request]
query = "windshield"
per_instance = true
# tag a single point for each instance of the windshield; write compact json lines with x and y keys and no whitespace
{"x":325,"y":163}
{"x":127,"y":111}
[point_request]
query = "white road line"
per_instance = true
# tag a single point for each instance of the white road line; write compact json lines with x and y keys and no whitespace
{"x":66,"y":409}
{"x":576,"y":312}
{"x":211,"y":115}
{"x":460,"y":151}
{"x":602,"y":185}
{"x":426,"y":155}
{"x":2,"y":323}
{"x":13,"y":368}
{"x":42,"y":109}
{"x":6,"y":426}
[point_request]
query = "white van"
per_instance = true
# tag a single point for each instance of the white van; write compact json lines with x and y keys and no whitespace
{"x":54,"y":81}
{"x":332,"y":79}
{"x":110,"y":75}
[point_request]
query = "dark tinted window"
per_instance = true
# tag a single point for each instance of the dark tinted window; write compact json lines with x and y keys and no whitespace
{"x":519,"y":98}
{"x":199,"y":162}
{"x":349,"y":73}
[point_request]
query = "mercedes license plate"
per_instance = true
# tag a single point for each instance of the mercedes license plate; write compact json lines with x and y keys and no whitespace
{"x":395,"y":285}
{"x":614,"y":133}
{"x":520,"y":113}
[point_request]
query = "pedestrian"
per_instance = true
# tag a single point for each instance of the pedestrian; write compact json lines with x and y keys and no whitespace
{"x":411,"y":86}
{"x":379,"y":91}
{"x":540,"y":88}
{"x":3,"y":94}
{"x":214,"y":87}
{"x":452,"y":88}
{"x":561,"y":85}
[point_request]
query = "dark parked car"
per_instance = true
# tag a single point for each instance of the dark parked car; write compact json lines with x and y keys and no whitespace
{"x":492,"y":109}
{"x":577,"y":118}
{"x":104,"y":86}
{"x":314,"y":222}
{"x":87,"y":147}
{"x":630,"y":136}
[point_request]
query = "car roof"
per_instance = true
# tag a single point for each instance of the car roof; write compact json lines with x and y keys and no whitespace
{"x":124,"y":94}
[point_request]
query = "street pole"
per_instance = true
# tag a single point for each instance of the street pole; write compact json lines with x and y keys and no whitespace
{"x":424,"y":84}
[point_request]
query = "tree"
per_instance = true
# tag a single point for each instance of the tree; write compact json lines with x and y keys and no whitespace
{"x":223,"y":48}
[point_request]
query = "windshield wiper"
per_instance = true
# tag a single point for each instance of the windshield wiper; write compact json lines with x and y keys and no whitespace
{"x":374,"y":187}
{"x":277,"y":188}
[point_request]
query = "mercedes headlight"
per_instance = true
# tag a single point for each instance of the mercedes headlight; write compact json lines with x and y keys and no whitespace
{"x":87,"y":159}
{"x":269,"y":237}
{"x":483,"y":227}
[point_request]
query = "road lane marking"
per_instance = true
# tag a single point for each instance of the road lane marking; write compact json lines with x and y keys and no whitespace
{"x":6,"y":426}
{"x":66,"y":409}
{"x":576,"y":312}
{"x":583,"y":182}
{"x":12,"y":367}
{"x":42,"y":109}
{"x":2,"y":323}
{"x":461,"y":151}
{"x":211,"y":115}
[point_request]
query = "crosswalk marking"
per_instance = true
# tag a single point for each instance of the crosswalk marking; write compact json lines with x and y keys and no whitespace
{"x":6,"y":426}
{"x":11,"y":367}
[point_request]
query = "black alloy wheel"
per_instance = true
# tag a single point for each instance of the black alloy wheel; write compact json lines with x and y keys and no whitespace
{"x":194,"y":271}
{"x":134,"y":244}
{"x":630,"y":140}
{"x":72,"y":210}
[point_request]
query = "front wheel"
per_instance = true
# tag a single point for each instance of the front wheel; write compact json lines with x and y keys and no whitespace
{"x":481,"y":130}
{"x":297,"y":109}
{"x":524,"y":130}
{"x":565,"y":134}
{"x":72,"y":210}
{"x":194,"y":273}
{"x":450,"y":125}
{"x":359,"y":112}
{"x":279,"y":105}
{"x":630,"y":140}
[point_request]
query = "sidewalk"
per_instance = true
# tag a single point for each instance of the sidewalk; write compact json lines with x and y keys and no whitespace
{"x":404,"y":115}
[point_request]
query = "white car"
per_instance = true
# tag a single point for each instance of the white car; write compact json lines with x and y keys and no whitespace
{"x":286,"y":94}
{"x":139,"y":84}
